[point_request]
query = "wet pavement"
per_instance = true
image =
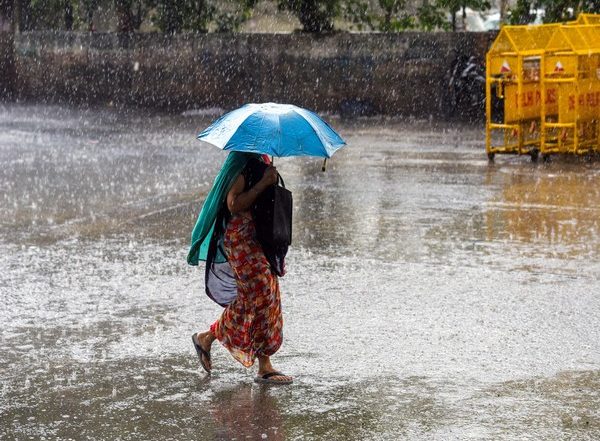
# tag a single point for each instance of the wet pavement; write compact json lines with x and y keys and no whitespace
{"x":430,"y":295}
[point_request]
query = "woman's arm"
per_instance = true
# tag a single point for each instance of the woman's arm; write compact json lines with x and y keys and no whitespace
{"x":239,"y":200}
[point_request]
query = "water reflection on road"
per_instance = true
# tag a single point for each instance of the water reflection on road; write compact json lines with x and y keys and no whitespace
{"x":430,"y":295}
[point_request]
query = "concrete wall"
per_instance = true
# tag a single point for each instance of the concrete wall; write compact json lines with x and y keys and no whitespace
{"x":366,"y":73}
{"x":6,"y":65}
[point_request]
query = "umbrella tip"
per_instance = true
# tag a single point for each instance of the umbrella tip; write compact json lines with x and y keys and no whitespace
{"x":324,"y":167}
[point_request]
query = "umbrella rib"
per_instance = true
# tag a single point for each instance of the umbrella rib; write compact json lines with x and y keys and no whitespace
{"x":213,"y":138}
{"x":315,"y":130}
{"x":259,"y":129}
{"x":327,"y":144}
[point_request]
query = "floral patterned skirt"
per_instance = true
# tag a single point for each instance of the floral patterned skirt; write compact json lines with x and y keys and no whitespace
{"x":252,"y":324}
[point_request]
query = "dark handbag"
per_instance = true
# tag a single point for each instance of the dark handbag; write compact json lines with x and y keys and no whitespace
{"x":273,"y":215}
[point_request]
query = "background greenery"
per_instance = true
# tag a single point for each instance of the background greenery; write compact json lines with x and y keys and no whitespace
{"x":316,"y":16}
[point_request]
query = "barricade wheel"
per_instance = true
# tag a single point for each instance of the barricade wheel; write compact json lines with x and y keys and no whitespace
{"x":535,"y":153}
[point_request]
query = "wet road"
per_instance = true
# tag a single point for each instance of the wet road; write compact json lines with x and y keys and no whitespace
{"x":429,"y":295}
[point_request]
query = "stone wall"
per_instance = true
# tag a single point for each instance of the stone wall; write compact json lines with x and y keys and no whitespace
{"x":6,"y":65}
{"x":402,"y":73}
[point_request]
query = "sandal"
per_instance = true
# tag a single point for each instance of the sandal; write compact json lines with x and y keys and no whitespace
{"x":201,"y":353}
{"x":267,"y":378}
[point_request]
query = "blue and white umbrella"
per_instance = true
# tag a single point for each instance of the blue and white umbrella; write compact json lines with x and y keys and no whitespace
{"x":275,"y":130}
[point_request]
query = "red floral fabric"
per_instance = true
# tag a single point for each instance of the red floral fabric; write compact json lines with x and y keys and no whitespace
{"x":252,"y":324}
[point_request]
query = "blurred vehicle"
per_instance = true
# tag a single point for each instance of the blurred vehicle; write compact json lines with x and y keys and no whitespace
{"x":465,"y":88}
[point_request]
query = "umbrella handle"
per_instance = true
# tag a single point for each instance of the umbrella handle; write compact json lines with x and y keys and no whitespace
{"x":324,"y":165}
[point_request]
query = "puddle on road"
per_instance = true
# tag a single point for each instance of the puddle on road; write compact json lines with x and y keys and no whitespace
{"x":166,"y":398}
{"x":430,"y":295}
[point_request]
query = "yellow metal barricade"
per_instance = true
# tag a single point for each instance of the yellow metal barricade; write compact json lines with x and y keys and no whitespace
{"x":543,"y":89}
{"x":513,"y":89}
{"x":586,"y":19}
{"x":570,"y":74}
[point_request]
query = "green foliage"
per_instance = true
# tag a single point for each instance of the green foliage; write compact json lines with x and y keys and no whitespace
{"x":131,"y":14}
{"x":394,"y":18}
{"x":555,"y":11}
{"x":590,"y":6}
{"x":231,"y":19}
{"x":56,"y":14}
{"x":454,"y":6}
{"x":391,"y":16}
{"x":559,"y":10}
{"x":173,"y":16}
{"x":44,"y":14}
{"x":521,"y":13}
{"x":431,"y":17}
{"x":88,"y":9}
{"x":169,"y":15}
{"x":358,"y":13}
{"x":314,"y":15}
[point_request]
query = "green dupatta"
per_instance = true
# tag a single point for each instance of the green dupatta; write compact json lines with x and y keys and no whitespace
{"x":205,"y":225}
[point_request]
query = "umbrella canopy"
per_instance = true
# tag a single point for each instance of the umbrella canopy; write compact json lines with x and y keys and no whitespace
{"x":275,"y":130}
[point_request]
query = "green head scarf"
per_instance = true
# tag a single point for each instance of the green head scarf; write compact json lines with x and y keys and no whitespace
{"x":203,"y":231}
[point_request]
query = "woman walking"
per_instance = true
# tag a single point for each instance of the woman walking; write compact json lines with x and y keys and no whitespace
{"x":240,"y":274}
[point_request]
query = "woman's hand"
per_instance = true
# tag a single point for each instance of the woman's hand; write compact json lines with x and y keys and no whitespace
{"x":269,"y":177}
{"x":239,"y":200}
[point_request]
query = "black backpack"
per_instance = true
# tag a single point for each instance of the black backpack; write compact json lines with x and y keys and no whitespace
{"x":272,"y":212}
